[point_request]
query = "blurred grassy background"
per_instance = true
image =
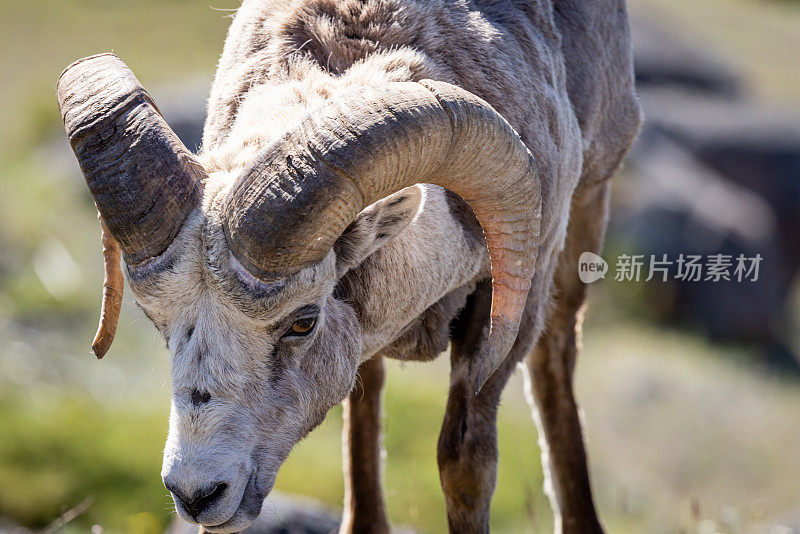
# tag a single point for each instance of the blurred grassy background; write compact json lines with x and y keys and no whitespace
{"x":684,"y":436}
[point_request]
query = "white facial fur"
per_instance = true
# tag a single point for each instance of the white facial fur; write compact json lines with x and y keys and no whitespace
{"x":244,"y":392}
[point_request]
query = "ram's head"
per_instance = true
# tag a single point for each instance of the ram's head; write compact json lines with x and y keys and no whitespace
{"x":239,"y":271}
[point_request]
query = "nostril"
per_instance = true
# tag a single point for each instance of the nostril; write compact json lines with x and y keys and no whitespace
{"x":201,"y":500}
{"x":204,"y":501}
{"x":215,"y":494}
{"x":200,"y":397}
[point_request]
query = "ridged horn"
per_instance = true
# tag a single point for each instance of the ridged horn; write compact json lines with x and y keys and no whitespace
{"x":113,"y":287}
{"x":143,"y":180}
{"x":290,"y":205}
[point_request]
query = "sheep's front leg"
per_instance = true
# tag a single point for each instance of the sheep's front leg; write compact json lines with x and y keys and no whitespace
{"x":364,"y":510}
{"x":549,"y":373}
{"x":467,"y":451}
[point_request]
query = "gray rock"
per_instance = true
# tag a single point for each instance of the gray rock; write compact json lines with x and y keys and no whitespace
{"x":286,"y":514}
{"x":282,"y":514}
{"x":669,"y":59}
{"x":675,"y":204}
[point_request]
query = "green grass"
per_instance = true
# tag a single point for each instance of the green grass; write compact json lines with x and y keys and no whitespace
{"x":676,"y":423}
{"x":60,"y":450}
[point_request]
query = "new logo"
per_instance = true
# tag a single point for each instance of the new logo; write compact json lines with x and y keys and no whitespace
{"x":591,"y":267}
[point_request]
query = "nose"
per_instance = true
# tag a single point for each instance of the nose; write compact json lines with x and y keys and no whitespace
{"x":198,"y":501}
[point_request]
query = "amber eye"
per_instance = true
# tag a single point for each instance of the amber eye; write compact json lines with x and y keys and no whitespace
{"x":302,"y":327}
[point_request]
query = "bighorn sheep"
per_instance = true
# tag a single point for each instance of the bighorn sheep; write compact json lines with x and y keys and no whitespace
{"x":304,"y":242}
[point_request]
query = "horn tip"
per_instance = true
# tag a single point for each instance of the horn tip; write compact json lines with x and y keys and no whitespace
{"x":480,"y":380}
{"x":490,"y":359}
{"x":100,"y":347}
{"x":502,"y":335}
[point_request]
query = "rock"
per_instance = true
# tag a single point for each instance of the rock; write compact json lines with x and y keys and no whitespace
{"x":281,"y":514}
{"x":665,"y":59}
{"x":676,"y":204}
{"x":286,"y":514}
{"x":713,"y":173}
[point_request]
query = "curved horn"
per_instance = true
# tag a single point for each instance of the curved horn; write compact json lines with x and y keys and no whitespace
{"x":143,"y":180}
{"x":113,"y":287}
{"x":288,"y":208}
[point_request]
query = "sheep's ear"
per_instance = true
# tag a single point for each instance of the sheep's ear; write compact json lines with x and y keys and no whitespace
{"x":376,"y":226}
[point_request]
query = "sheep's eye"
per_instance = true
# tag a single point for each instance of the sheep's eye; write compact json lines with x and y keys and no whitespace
{"x":302,"y":327}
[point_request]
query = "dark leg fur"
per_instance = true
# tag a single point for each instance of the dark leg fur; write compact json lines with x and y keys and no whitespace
{"x":364,"y":510}
{"x":467,"y":451}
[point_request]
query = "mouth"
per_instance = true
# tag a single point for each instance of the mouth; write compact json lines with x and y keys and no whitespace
{"x":246,"y":512}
